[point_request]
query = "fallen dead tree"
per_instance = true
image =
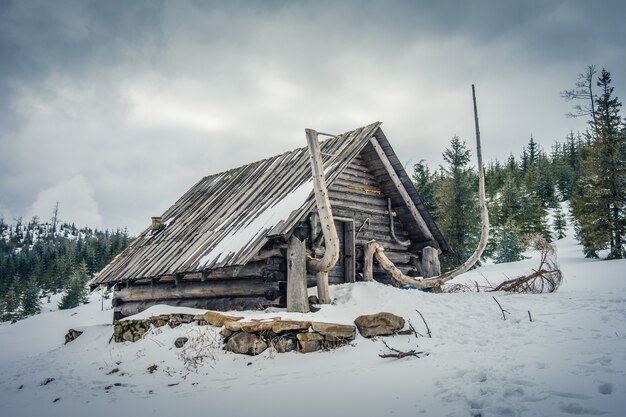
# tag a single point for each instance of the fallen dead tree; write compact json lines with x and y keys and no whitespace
{"x":545,"y":279}
{"x":376,"y":249}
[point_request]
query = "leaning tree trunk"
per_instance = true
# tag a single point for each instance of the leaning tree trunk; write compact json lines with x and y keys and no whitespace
{"x":436,"y":282}
{"x":331,"y":240}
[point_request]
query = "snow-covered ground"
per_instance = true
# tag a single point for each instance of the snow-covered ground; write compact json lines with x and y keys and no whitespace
{"x":570,"y":360}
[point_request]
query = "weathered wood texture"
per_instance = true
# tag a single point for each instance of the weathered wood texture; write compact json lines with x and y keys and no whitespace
{"x":201,"y":230}
{"x":430,"y":265}
{"x":322,"y":265}
{"x":208,"y":289}
{"x":219,"y":304}
{"x":297,"y":298}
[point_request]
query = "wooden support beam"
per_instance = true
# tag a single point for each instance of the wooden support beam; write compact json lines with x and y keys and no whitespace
{"x":368,"y":261}
{"x":430,"y":266}
{"x":331,"y":241}
{"x":297,"y":299}
{"x":400,"y":187}
{"x":349,"y":251}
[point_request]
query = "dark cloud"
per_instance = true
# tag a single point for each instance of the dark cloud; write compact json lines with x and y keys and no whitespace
{"x":126,"y":104}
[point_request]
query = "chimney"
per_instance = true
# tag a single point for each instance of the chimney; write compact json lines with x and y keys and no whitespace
{"x":156,"y":224}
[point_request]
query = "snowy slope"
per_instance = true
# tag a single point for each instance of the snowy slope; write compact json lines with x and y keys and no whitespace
{"x":571,"y":360}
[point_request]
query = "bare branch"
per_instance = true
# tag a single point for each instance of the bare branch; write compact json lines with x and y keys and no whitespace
{"x":501,"y":309}
{"x":426,"y":324}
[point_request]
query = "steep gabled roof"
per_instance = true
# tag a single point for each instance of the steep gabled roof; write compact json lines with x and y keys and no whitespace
{"x":226,"y":218}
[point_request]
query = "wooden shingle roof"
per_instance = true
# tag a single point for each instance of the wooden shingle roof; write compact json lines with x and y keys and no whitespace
{"x":226,"y":218}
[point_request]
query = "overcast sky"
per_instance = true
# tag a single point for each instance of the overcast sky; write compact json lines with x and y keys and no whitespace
{"x":115,"y":108}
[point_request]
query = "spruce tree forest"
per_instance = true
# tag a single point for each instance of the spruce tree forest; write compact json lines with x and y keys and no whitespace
{"x":586,"y":169}
{"x":38,"y":259}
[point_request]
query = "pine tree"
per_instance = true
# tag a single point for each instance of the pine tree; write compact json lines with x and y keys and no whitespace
{"x":508,"y":247}
{"x":457,"y":202}
{"x":424,"y":182}
{"x":598,"y":205}
{"x":31,"y":304}
{"x":76,"y":292}
{"x":559,"y":223}
{"x":11,"y":304}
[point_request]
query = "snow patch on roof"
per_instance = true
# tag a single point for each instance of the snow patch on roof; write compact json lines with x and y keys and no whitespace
{"x":261,"y":222}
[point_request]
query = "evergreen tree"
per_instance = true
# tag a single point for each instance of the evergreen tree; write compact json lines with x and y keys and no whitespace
{"x":457,"y":201}
{"x":31,"y":304}
{"x":509,"y":247}
{"x":559,"y":223}
{"x":424,"y":181}
{"x":11,"y":304}
{"x":76,"y":292}
{"x":598,"y":205}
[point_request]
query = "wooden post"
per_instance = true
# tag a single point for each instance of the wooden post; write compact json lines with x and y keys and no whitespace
{"x":430,"y":265}
{"x":368,"y":261}
{"x":331,"y":240}
{"x":297,"y":300}
{"x":349,"y":251}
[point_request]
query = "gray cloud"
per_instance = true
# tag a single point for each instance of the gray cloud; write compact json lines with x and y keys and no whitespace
{"x":141,"y":99}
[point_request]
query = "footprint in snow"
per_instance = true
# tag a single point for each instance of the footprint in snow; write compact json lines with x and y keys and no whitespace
{"x":577,"y":409}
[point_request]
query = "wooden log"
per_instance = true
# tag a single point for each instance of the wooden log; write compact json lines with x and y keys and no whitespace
{"x":297,"y":297}
{"x":331,"y":241}
{"x":208,"y":289}
{"x":430,"y":266}
{"x":219,"y":304}
{"x":323,"y":292}
{"x":368,"y":261}
{"x":265,"y":254}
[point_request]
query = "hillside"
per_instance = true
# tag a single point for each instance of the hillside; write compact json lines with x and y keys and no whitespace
{"x":569,"y":360}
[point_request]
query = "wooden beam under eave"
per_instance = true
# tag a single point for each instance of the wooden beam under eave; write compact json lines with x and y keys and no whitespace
{"x":382,"y":156}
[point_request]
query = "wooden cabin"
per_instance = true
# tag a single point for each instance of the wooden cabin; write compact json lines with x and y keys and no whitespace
{"x":223,"y":244}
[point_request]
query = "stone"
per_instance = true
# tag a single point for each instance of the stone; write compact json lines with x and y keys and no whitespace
{"x":285,"y":344}
{"x":313,"y":299}
{"x":217,"y":319}
{"x":180,"y":342}
{"x":333,"y":332}
{"x":225,"y":333}
{"x":160,"y":320}
{"x":309,"y":342}
{"x":178,"y":319}
{"x":282,"y":326}
{"x":246,"y":343}
{"x":72,"y":335}
{"x":130,"y":330}
{"x":257,"y":326}
{"x":233,"y":326}
{"x":380,"y":324}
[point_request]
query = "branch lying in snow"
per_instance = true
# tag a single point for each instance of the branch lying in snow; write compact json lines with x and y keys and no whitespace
{"x":398,"y":354}
{"x":546,"y":278}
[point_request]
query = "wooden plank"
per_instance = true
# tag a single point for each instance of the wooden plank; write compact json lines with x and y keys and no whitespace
{"x":430,"y":262}
{"x":349,"y":252}
{"x":297,"y":297}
